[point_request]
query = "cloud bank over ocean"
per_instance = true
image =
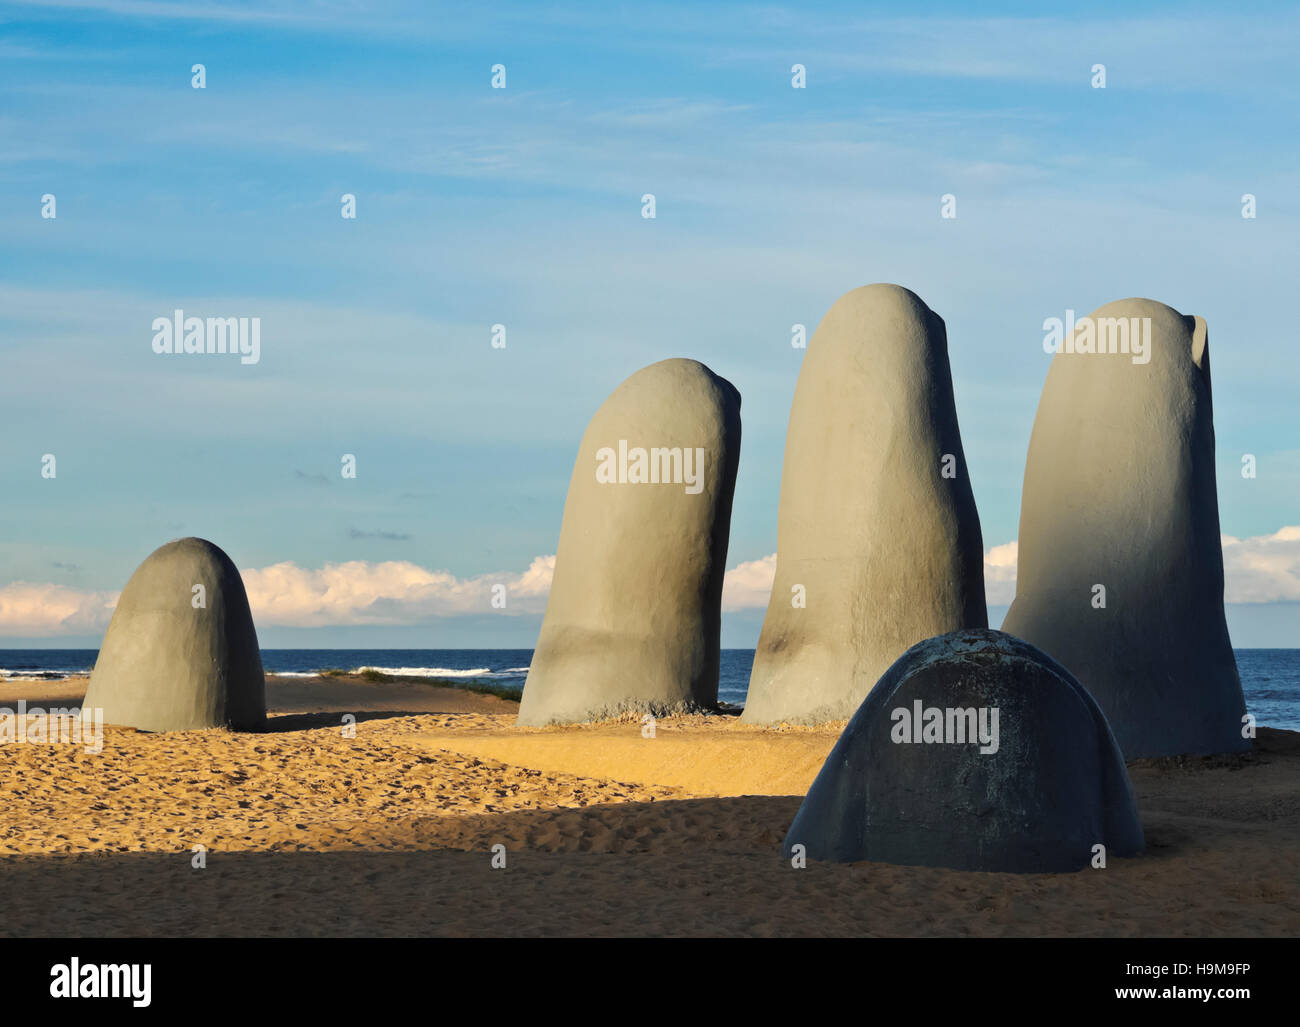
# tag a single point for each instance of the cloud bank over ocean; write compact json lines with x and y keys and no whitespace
{"x":1263,"y":569}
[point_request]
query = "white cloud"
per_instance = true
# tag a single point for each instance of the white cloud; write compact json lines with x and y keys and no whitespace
{"x":748,"y":585}
{"x":42,"y":611}
{"x":391,"y":592}
{"x":1000,"y":574}
{"x":1263,"y":569}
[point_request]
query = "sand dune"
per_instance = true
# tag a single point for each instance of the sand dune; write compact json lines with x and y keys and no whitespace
{"x":309,"y":832}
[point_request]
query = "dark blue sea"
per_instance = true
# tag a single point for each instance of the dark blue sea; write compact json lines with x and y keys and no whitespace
{"x":1270,"y":678}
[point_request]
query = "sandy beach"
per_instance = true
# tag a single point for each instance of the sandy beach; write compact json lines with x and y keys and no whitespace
{"x":309,"y":832}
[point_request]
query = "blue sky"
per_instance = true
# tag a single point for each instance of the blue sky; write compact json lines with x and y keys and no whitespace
{"x":522,"y":206}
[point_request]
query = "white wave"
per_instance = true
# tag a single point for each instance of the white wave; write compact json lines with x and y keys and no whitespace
{"x":428,"y":672}
{"x":514,"y":670}
{"x":38,"y":675}
{"x":293,"y":673}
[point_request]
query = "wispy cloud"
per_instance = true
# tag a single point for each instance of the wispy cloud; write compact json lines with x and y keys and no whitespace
{"x":185,"y":11}
{"x":383,"y":536}
{"x":1050,"y":49}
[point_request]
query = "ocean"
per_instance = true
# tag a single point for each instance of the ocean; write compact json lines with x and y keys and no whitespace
{"x":1270,"y":678}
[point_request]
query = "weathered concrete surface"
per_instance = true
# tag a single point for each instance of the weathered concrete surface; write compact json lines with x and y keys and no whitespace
{"x":633,"y":618}
{"x":168,"y":666}
{"x":1055,"y":786}
{"x":886,"y":546}
{"x":1120,"y":491}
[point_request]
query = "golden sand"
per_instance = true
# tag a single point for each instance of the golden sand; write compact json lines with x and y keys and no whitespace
{"x":309,"y":831}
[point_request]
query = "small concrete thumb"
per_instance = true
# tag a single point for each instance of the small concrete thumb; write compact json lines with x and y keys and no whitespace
{"x":181,"y":651}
